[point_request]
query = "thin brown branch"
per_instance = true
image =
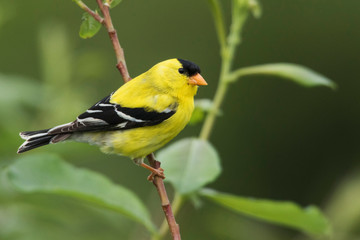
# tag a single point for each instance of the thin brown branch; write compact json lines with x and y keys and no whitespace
{"x":95,"y":15}
{"x":165,"y":203}
{"x":119,"y":52}
{"x":121,"y":65}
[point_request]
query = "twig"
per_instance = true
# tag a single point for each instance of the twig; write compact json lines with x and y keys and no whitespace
{"x":165,"y":203}
{"x":121,"y":65}
{"x":95,"y":15}
{"x":119,"y":52}
{"x":175,"y":205}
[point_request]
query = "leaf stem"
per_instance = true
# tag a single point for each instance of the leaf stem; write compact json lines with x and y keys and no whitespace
{"x":210,"y":118}
{"x":244,"y":71}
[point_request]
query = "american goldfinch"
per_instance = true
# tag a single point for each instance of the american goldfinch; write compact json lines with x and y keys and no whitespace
{"x":137,"y":119}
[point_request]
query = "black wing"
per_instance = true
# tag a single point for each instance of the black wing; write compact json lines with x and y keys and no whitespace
{"x":106,"y":116}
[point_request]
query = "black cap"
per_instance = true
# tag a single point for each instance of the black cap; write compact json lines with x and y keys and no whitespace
{"x":189,"y":68}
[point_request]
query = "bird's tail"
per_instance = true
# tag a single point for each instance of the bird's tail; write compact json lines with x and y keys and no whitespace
{"x":34,"y":139}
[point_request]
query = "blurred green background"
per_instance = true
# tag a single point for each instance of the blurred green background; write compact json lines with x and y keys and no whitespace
{"x":276,"y":140}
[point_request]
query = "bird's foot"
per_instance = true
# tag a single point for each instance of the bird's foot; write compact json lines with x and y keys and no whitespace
{"x":154,"y":172}
{"x":158,"y":172}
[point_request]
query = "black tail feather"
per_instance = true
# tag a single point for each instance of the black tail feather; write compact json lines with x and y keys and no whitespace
{"x":28,"y":145}
{"x":39,"y":138}
{"x":32,"y":134}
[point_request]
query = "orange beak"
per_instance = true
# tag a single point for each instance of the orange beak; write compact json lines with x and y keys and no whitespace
{"x":197,"y":80}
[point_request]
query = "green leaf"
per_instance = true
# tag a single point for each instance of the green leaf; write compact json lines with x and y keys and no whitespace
{"x":197,"y":116}
{"x":309,"y":219}
{"x":89,"y":26}
{"x":114,"y":3}
{"x":201,"y":107}
{"x":189,"y":164}
{"x":48,"y":173}
{"x":297,"y":73}
{"x":204,"y":104}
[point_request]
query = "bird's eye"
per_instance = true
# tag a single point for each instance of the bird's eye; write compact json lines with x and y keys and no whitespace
{"x":181,"y":70}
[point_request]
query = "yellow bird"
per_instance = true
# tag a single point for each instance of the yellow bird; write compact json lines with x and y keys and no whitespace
{"x":137,"y":119}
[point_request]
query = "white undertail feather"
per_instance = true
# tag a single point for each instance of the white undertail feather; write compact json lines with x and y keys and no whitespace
{"x":23,"y":136}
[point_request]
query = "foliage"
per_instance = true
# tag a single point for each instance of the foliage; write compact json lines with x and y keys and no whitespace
{"x":309,"y":219}
{"x":191,"y":163}
{"x":296,"y":73}
{"x":48,"y":173}
{"x":89,"y":26}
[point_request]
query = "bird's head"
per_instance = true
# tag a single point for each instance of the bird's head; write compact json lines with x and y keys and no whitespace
{"x":179,"y":76}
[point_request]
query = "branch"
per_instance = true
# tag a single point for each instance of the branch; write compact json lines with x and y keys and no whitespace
{"x":121,"y":65}
{"x":119,"y":52}
{"x":165,"y":203}
{"x":175,"y":205}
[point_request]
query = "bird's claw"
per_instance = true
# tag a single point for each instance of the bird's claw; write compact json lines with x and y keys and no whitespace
{"x":156,"y":172}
